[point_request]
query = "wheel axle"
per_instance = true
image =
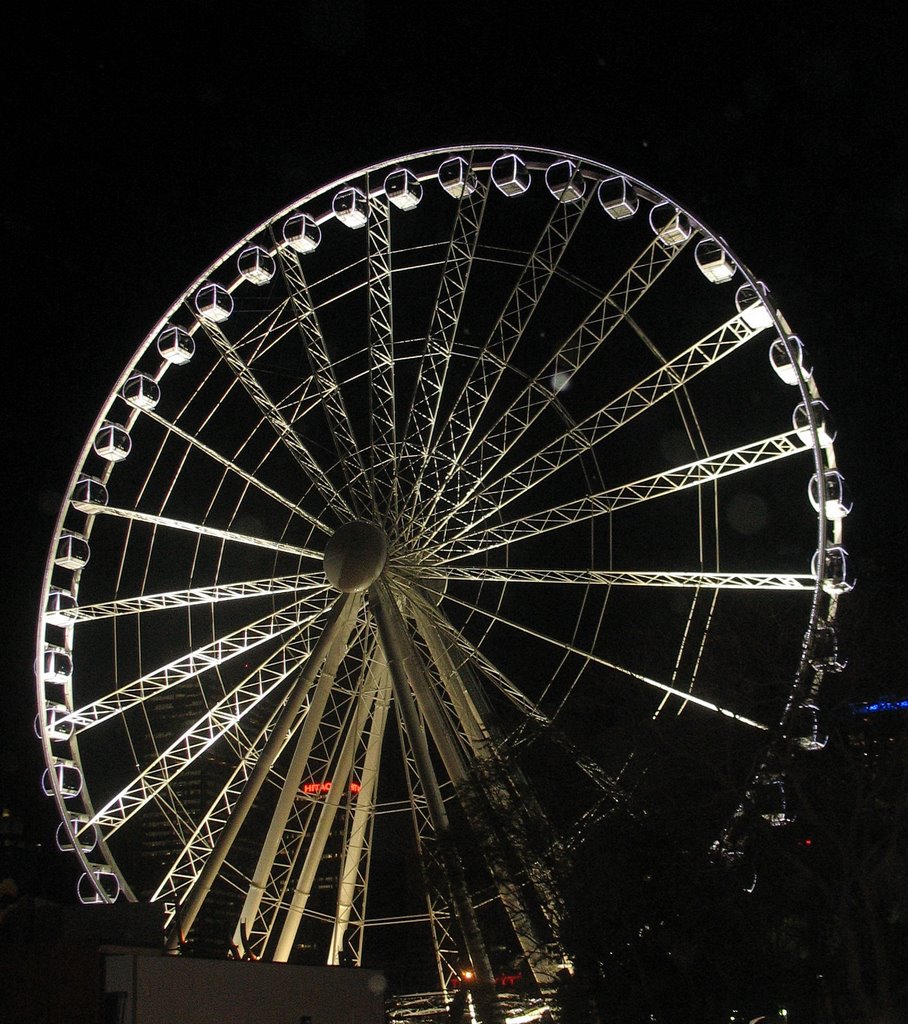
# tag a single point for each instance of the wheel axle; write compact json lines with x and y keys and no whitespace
{"x":355,"y":556}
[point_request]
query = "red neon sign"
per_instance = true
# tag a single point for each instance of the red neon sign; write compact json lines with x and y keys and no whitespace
{"x":320,"y":788}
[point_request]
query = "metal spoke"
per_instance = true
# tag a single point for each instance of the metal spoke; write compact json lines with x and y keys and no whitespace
{"x":354,"y":874}
{"x":266,"y":587}
{"x":201,"y":529}
{"x":342,"y":765}
{"x":599,"y":660}
{"x":277,"y":846}
{"x":330,"y":393}
{"x":583,"y":437}
{"x":455,"y":435}
{"x":624,"y":578}
{"x":195,"y":897}
{"x":188,"y":864}
{"x":568,"y":359}
{"x":382,"y":396}
{"x":434,"y":364}
{"x":228,"y":464}
{"x":223,"y":717}
{"x":692,"y":474}
{"x":191,"y":664}
{"x":273,"y":415}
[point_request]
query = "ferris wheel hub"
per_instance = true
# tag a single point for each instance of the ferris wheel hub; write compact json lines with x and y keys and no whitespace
{"x":355,"y":556}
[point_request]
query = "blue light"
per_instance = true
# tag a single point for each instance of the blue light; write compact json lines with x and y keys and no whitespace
{"x":880,"y":705}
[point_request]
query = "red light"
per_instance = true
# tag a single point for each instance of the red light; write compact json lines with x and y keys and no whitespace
{"x":318,"y":788}
{"x":508,"y":980}
{"x":467,"y":976}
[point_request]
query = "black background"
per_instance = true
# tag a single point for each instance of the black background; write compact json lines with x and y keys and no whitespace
{"x":142,"y":140}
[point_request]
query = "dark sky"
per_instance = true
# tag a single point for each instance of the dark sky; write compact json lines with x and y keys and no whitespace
{"x":140,"y":144}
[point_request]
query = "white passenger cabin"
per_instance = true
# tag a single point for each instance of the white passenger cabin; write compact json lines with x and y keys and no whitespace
{"x":669,"y":224}
{"x":565,"y":181}
{"x":57,"y":723}
{"x":789,"y":360}
{"x":456,"y":178}
{"x":714,"y":262}
{"x":823,"y":653}
{"x":769,"y":798}
{"x":835,"y":570}
{"x":834,"y":503}
{"x":88,"y":492}
{"x":112,"y":442}
{"x":351,"y":207}
{"x":255,"y":265}
{"x":751,"y":303}
{"x":800,"y":420}
{"x":510,"y":175}
{"x":618,"y":197}
{"x":176,"y":345}
{"x":213,"y":303}
{"x":302,"y":233}
{"x":66,"y":774}
{"x":72,"y":551}
{"x":805,"y":728}
{"x":86,"y":838}
{"x":100,"y":886}
{"x":403,"y":189}
{"x":59,"y":605}
{"x":58,"y":665}
{"x":141,"y":391}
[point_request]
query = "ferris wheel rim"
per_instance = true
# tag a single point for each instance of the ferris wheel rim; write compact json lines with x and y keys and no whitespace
{"x":805,"y":386}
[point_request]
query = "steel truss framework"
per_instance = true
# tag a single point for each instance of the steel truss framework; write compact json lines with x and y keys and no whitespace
{"x":582,"y":470}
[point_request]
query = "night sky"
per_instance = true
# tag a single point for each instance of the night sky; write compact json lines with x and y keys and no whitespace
{"x":142,"y":143}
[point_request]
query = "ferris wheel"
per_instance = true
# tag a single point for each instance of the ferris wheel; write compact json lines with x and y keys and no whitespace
{"x":404,"y":520}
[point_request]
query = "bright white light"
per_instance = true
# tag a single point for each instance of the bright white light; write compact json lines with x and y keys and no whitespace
{"x":535,"y":1014}
{"x":560,"y":380}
